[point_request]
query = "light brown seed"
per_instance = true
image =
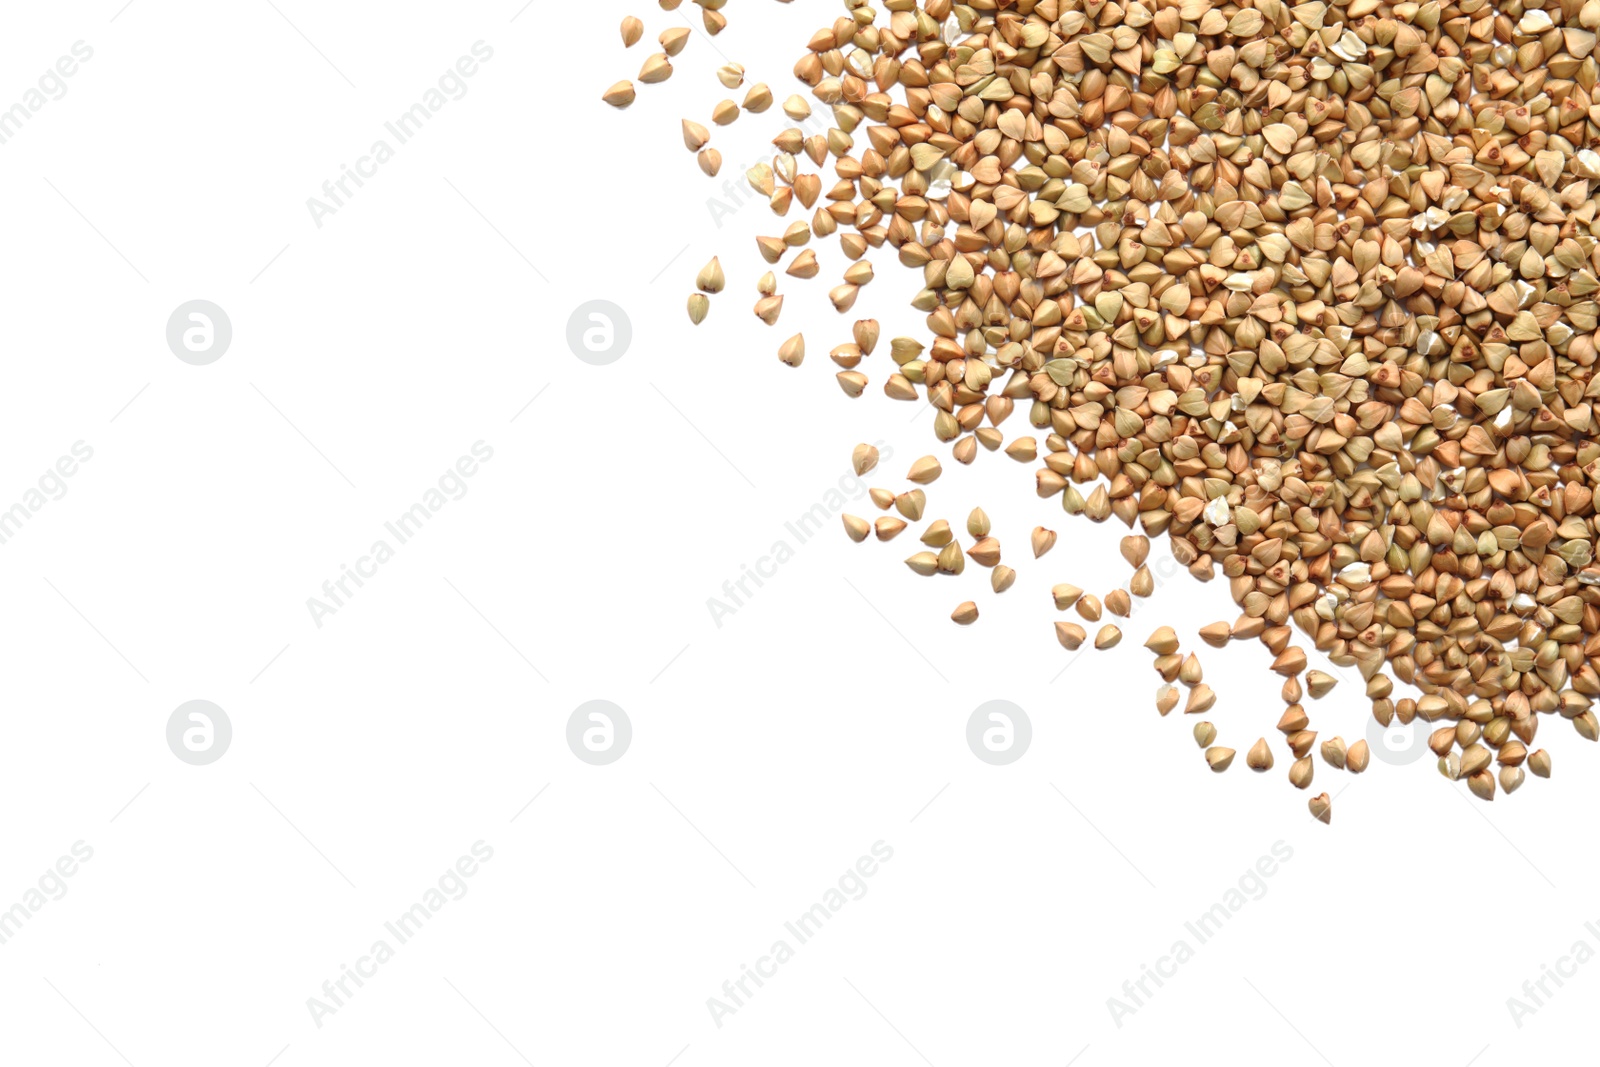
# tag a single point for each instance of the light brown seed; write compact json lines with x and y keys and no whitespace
{"x":924,"y":563}
{"x":771,"y":248}
{"x":1108,"y":637}
{"x":731,"y":75}
{"x":758,"y":99}
{"x":1023,"y":449}
{"x":1539,"y":763}
{"x":793,"y":351}
{"x":1334,"y":753}
{"x":951,"y":561}
{"x":985,"y":552}
{"x":966,"y":613}
{"x":924,"y":470}
{"x":1143,"y":583}
{"x":1089,"y":607}
{"x":725,"y":112}
{"x":1481,"y":783}
{"x":978,"y":523}
{"x":710,"y":161}
{"x":1319,"y":684}
{"x":863,"y":458}
{"x":1167,"y":699}
{"x":768,"y":308}
{"x":711,"y":279}
{"x":1190,"y":672}
{"x":1070,"y":634}
{"x":1098,"y":507}
{"x":856,"y":528}
{"x":881,"y":497}
{"x":1321,"y":808}
{"x":1136,"y":550}
{"x":1043,"y":541}
{"x":1163,"y":642}
{"x":804,"y":265}
{"x":888,"y":527}
{"x":865,"y":332}
{"x":1355,"y":761}
{"x":632,"y":30}
{"x":1201,"y":700}
{"x":937,"y":534}
{"x":1300,"y":741}
{"x":1219,"y":758}
{"x":843,"y":297}
{"x":658,"y":68}
{"x":1280,"y":136}
{"x":1259,"y":758}
{"x":673,"y":39}
{"x":699,"y":307}
{"x":1293,"y":719}
{"x":854,"y":383}
{"x":1204,"y":732}
{"x":899,"y":388}
{"x":1474,"y":758}
{"x":1065,"y":596}
{"x":619,"y":95}
{"x":1290,"y":661}
{"x":1301,"y":772}
{"x":1588,"y":726}
{"x":695,"y":135}
{"x":910,"y":504}
{"x":1002,"y":578}
{"x":1216,"y":634}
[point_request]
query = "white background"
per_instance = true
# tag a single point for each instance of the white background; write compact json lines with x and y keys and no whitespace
{"x":769,"y":753}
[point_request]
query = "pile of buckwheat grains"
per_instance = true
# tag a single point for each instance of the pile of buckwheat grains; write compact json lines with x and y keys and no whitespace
{"x":1309,"y":288}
